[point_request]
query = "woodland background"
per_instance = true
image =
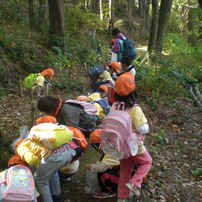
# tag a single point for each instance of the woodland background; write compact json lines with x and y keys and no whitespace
{"x":70,"y":36}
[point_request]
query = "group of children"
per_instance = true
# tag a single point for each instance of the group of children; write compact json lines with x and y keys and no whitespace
{"x":56,"y":143}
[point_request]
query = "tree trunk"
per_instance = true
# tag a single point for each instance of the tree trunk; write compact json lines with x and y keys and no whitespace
{"x":164,"y":14}
{"x":130,"y":13}
{"x":101,"y":10}
{"x":154,"y":27}
{"x":146,"y":19}
{"x":42,"y":13}
{"x":191,"y":23}
{"x":57,"y":23}
{"x":32,"y":22}
{"x":141,"y":8}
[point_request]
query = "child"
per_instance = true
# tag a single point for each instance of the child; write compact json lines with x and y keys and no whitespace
{"x":125,"y":91}
{"x":68,"y":113}
{"x":107,"y":170}
{"x":107,"y":76}
{"x":46,"y":151}
{"x":126,"y":66}
{"x":66,"y":172}
{"x":102,"y":105}
{"x":39,"y":84}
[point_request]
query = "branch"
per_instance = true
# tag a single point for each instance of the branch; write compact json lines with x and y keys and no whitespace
{"x":198,"y":103}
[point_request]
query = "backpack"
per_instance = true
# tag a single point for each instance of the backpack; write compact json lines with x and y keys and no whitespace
{"x":95,"y":71}
{"x":85,"y":120}
{"x":117,"y":137}
{"x":29,"y":81}
{"x":103,"y":104}
{"x":17,"y":184}
{"x":80,"y":138}
{"x":128,"y":48}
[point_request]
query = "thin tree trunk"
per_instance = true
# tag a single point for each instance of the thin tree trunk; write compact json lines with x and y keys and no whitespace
{"x":57,"y":22}
{"x":32,"y":22}
{"x":164,"y":14}
{"x":154,"y":27}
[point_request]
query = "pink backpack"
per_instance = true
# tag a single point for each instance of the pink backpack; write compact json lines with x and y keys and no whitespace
{"x":117,"y":137}
{"x":17,"y":184}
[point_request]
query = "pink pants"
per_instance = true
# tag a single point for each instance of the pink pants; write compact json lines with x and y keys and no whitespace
{"x":144,"y":162}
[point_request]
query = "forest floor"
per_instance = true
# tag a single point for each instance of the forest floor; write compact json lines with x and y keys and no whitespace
{"x":174,"y":143}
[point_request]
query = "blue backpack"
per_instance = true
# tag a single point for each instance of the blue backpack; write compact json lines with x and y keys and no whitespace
{"x":104,"y":105}
{"x":95,"y":71}
{"x":129,"y":48}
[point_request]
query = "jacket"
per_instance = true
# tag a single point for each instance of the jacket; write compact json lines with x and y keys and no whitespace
{"x":40,"y":142}
{"x":72,"y":114}
{"x":118,"y":45}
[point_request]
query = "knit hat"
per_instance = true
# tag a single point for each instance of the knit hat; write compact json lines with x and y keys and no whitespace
{"x":95,"y":136}
{"x":125,"y":84}
{"x":49,"y":72}
{"x":46,"y":119}
{"x":82,"y":98}
{"x":16,"y":160}
{"x":103,"y":87}
{"x":116,"y":66}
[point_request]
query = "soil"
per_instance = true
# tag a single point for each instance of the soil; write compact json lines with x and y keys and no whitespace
{"x":174,"y":143}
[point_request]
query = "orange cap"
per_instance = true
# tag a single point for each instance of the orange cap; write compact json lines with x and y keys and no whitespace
{"x":49,"y":72}
{"x":112,"y":40}
{"x":46,"y":119}
{"x":103,"y":87}
{"x":116,"y":66}
{"x":82,"y":98}
{"x":16,"y":160}
{"x":95,"y":136}
{"x":125,"y":84}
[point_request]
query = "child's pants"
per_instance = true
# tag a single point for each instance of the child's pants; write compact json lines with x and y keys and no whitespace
{"x":144,"y":162}
{"x":46,"y":175}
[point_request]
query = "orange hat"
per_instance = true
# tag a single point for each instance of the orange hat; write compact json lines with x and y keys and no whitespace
{"x":116,"y":66}
{"x":95,"y":136}
{"x":46,"y":119}
{"x":16,"y":160}
{"x":49,"y":72}
{"x":125,"y":84}
{"x":112,"y":40}
{"x":82,"y":98}
{"x":103,"y":87}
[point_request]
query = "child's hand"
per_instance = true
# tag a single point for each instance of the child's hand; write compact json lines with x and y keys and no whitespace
{"x":88,"y":166}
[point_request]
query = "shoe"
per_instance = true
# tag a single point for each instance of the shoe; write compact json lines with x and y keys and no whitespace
{"x":133,"y":188}
{"x":100,"y":195}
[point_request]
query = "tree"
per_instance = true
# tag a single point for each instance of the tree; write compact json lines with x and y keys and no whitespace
{"x":164,"y":14}
{"x":57,"y":23}
{"x":32,"y":22}
{"x":154,"y":27}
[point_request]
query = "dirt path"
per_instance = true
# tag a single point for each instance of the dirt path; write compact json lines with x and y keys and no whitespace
{"x":174,"y":141}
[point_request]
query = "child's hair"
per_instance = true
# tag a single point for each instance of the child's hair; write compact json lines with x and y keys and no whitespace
{"x":128,"y":100}
{"x":126,"y":60}
{"x":115,"y":31}
{"x":48,"y":104}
